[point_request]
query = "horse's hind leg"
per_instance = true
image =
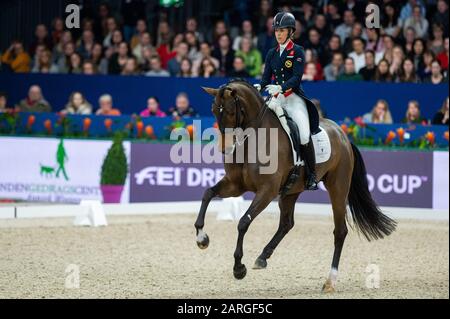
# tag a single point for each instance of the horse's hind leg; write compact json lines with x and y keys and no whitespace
{"x":224,"y":188}
{"x":338,"y":186}
{"x":287,"y":205}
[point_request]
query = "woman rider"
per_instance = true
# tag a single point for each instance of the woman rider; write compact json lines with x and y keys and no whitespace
{"x":285,"y":64}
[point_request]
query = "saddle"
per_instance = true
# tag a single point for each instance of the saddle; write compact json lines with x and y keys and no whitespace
{"x":321,"y":141}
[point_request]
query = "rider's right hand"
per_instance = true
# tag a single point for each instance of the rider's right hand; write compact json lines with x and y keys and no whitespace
{"x":257,"y":86}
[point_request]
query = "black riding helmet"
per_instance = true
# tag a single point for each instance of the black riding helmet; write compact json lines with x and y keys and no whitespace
{"x":284,"y":20}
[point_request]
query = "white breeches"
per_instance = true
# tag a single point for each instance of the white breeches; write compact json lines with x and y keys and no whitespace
{"x":295,"y":106}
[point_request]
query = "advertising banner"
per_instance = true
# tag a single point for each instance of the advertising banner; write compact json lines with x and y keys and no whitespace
{"x":402,"y":179}
{"x":53,"y":170}
{"x":440,"y":180}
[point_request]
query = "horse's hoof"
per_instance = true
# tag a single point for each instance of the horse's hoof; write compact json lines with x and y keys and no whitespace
{"x":240,"y":272}
{"x":260,"y":263}
{"x":203,"y":241}
{"x":328,"y":287}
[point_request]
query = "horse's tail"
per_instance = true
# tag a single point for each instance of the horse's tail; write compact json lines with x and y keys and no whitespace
{"x":369,"y":219}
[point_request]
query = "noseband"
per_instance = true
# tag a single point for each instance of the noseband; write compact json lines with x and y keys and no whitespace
{"x":238,"y":109}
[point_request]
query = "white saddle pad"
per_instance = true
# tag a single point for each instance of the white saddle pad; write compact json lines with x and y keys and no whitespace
{"x":321,"y":141}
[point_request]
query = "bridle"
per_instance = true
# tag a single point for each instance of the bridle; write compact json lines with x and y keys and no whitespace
{"x":239,"y":110}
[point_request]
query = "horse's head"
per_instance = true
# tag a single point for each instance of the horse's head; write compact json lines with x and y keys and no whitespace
{"x":228,"y":110}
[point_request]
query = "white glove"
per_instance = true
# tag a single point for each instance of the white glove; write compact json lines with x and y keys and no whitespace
{"x":274,"y":89}
{"x":257,"y":86}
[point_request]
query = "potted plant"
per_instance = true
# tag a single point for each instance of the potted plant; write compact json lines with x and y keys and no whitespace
{"x":114,"y":171}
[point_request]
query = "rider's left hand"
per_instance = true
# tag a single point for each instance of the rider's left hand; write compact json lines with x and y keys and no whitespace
{"x":274,"y":89}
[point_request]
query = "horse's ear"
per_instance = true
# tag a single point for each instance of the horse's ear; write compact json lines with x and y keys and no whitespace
{"x":211,"y":91}
{"x":230,"y":93}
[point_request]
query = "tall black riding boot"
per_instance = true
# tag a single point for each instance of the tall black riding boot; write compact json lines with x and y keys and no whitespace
{"x":309,"y":157}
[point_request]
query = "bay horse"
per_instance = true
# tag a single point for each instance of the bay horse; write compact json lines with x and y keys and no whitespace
{"x":239,"y":105}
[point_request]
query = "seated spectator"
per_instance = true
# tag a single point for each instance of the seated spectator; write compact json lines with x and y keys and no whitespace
{"x":357,"y":54}
{"x":410,"y":37}
{"x":77,"y":105}
{"x":16,"y":58}
{"x":311,"y":56}
{"x":111,"y":26}
{"x":75,"y":65}
{"x":119,"y":59}
{"x":408,"y":9}
{"x":391,"y":24}
{"x":106,"y":106}
{"x":397,"y":59}
{"x":424,"y":70}
{"x":3,"y":102}
{"x":349,"y":74}
{"x":413,"y":114}
{"x":191,"y":26}
{"x":155,"y":67}
{"x":441,"y":117}
{"x":314,"y":43}
{"x":185,"y":68}
{"x":357,"y":32}
{"x":98,"y":59}
{"x":57,"y":30}
{"x":246,"y":31}
{"x":225,"y":55}
{"x":380,"y":114}
{"x":336,"y":68}
{"x":382,"y":73}
{"x":58,"y":49}
{"x":443,"y":57}
{"x":368,"y":72}
{"x":344,"y":29}
{"x":182,"y":50}
{"x":34,"y":102}
{"x":44,"y":64}
{"x":436,"y":43}
{"x":89,"y":68}
{"x":64,"y":60}
{"x":418,"y":22}
{"x":182,"y":107}
{"x":334,"y":46}
{"x":153,"y":108}
{"x":310,"y":73}
{"x":141,"y":28}
{"x":251,"y":56}
{"x":41,"y":36}
{"x":145,"y":42}
{"x":205,"y":52}
{"x":131,"y":67}
{"x":207,"y":68}
{"x":192,"y":41}
{"x":266,"y":39}
{"x":374,"y":41}
{"x":408,"y":73}
{"x":239,"y":68}
{"x":441,"y":16}
{"x":85,"y":44}
{"x":436,"y":76}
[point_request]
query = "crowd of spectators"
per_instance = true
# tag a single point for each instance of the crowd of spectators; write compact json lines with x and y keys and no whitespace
{"x":411,"y":44}
{"x":182,"y":108}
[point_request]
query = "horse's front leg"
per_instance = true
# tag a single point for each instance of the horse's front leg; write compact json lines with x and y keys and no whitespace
{"x":260,"y":202}
{"x":224,"y":188}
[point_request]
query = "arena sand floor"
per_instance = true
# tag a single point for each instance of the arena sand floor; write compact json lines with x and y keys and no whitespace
{"x":157,"y":257}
